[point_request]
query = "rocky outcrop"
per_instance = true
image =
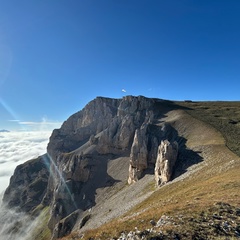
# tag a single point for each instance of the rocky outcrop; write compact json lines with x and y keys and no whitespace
{"x":28,"y":184}
{"x":80,"y":151}
{"x":139,"y":155}
{"x":74,"y":167}
{"x":166,"y":159}
{"x":105,"y":127}
{"x":115,"y":120}
{"x":223,"y":225}
{"x":72,"y":173}
{"x":145,"y":148}
{"x":65,"y":226}
{"x":94,"y":118}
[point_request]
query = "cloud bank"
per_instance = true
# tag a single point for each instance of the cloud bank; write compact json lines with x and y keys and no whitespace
{"x":15,"y":149}
{"x":12,"y":219}
{"x":18,"y":147}
{"x":44,"y":125}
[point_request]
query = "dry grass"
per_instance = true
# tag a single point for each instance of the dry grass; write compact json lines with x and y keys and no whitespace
{"x":224,"y":116}
{"x":188,"y":198}
{"x":217,"y":180}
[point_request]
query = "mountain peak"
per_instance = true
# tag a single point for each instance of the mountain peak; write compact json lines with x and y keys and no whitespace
{"x":111,"y":142}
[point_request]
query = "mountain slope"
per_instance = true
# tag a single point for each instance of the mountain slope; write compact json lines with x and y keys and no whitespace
{"x":192,"y":194}
{"x":111,"y":141}
{"x":198,"y":191}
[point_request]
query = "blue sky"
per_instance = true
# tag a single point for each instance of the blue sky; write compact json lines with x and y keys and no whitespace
{"x":57,"y":55}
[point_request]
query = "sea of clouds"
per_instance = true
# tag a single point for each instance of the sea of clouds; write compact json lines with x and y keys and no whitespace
{"x":18,"y":147}
{"x":16,"y":225}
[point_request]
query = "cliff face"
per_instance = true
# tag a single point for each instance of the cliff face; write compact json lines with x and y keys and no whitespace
{"x":111,"y":121}
{"x":28,"y":184}
{"x":81,"y":150}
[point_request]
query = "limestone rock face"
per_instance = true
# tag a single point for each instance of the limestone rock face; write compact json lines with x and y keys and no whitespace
{"x":115,"y":120}
{"x":166,"y":159}
{"x":94,"y":118}
{"x":28,"y":184}
{"x":81,"y":151}
{"x":73,"y":171}
{"x":105,"y":127}
{"x":139,"y":154}
{"x":65,"y":226}
{"x":74,"y":167}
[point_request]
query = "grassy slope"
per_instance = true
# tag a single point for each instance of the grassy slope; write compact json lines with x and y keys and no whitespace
{"x":41,"y":231}
{"x":216,"y":179}
{"x":224,"y":116}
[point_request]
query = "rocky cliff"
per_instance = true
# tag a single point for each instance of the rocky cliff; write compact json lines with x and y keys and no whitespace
{"x":28,"y":184}
{"x":69,"y":177}
{"x":166,"y":159}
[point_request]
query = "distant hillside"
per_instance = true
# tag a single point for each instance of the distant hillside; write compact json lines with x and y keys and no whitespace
{"x":3,"y":130}
{"x":111,"y":173}
{"x":224,"y":116}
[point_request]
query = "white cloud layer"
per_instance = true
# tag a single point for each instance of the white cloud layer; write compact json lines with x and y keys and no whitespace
{"x":43,"y":125}
{"x":18,"y":147}
{"x":15,"y":149}
{"x":10,"y":219}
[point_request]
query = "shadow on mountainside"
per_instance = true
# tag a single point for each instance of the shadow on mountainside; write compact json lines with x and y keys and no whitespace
{"x":76,"y":197}
{"x":85,"y":194}
{"x":96,"y":188}
{"x":82,"y":195}
{"x":163,"y":106}
{"x":165,"y":131}
{"x":186,"y":158}
{"x":222,"y":115}
{"x":99,"y":178}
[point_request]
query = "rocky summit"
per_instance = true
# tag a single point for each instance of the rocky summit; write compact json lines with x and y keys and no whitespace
{"x":111,"y":156}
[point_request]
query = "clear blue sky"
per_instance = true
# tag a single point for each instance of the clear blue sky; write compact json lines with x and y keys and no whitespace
{"x":57,"y":55}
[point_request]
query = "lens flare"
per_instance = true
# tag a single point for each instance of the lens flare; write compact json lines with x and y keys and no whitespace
{"x":8,"y":109}
{"x":62,"y":180}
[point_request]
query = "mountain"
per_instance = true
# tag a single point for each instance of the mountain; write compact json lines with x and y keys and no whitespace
{"x":136,"y":168}
{"x":3,"y":130}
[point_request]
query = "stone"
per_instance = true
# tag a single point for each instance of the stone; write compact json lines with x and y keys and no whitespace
{"x":139,"y":154}
{"x":152,"y":222}
{"x":65,"y":226}
{"x":166,"y":159}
